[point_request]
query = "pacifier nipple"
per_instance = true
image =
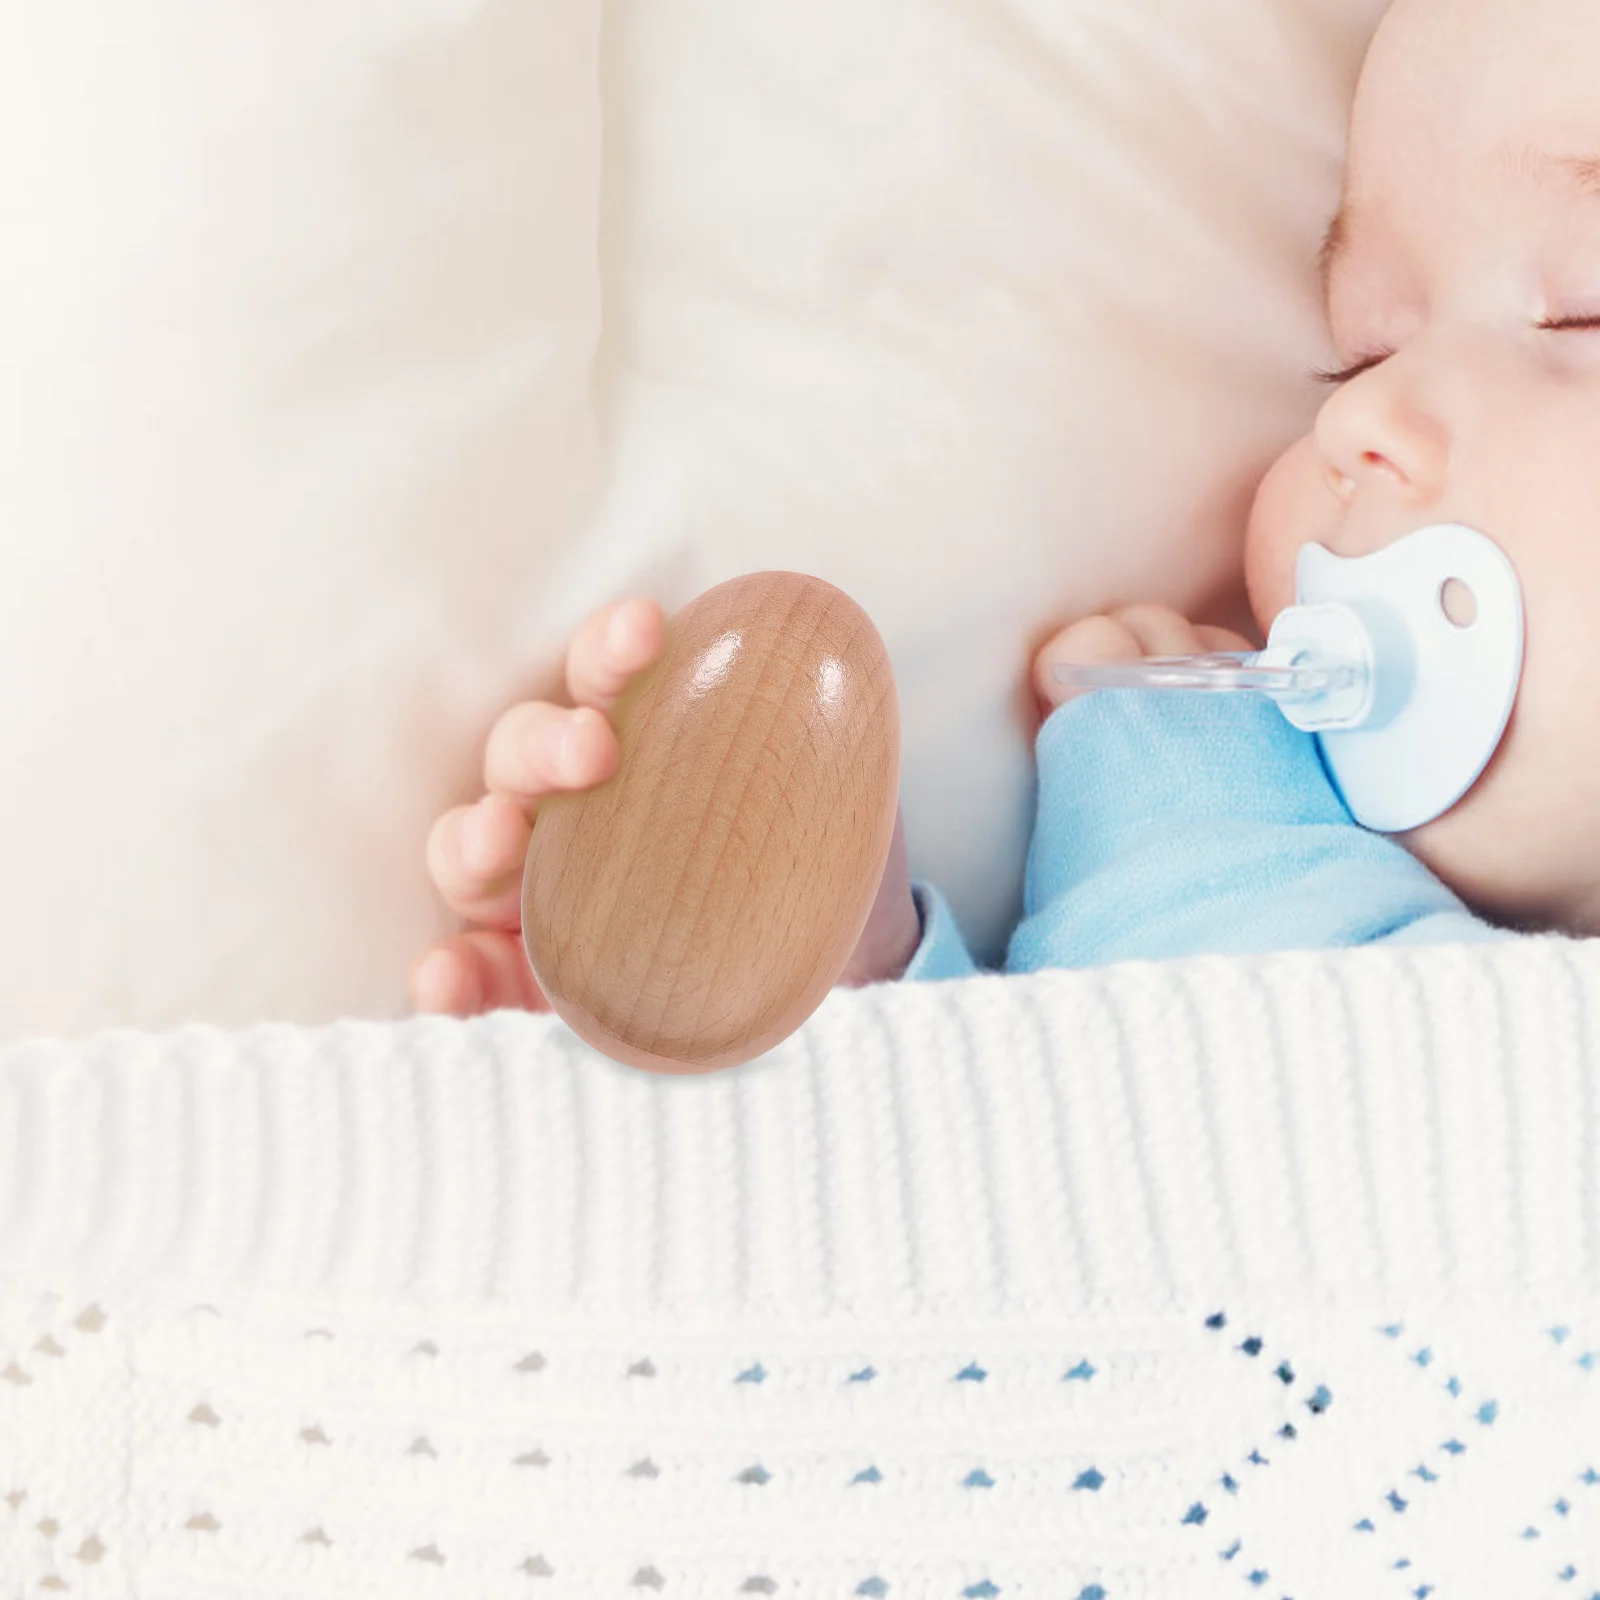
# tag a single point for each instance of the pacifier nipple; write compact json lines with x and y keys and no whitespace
{"x":1404,"y":664}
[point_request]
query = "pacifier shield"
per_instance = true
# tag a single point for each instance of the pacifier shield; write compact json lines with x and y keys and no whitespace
{"x":1443,"y":688}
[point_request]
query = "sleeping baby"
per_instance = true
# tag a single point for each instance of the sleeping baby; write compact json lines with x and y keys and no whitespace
{"x":1462,"y":279}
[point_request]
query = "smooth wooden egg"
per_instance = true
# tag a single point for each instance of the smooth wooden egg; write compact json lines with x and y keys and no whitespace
{"x":696,"y":908}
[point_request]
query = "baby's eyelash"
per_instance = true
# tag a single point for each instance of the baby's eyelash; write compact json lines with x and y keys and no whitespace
{"x":1590,"y":321}
{"x":1354,"y":370}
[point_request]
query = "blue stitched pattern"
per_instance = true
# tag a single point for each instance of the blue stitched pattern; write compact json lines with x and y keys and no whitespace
{"x":1316,"y":1403}
{"x":1022,"y":1431}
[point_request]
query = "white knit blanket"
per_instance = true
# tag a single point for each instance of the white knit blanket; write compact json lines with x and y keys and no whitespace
{"x":1239,"y":1278}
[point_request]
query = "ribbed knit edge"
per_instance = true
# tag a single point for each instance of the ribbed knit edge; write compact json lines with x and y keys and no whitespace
{"x":1354,"y":1123}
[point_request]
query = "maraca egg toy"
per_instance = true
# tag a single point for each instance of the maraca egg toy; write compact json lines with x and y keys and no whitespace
{"x":695,"y":909}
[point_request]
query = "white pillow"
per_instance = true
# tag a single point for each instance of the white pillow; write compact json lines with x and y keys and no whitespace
{"x":989,"y":312}
{"x":298,"y":306}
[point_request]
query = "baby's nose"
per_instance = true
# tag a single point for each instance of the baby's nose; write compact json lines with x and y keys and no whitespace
{"x":1378,"y":436}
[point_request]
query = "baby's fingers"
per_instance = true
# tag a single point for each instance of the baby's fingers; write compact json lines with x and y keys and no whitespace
{"x":1160,"y":630}
{"x":610,"y":646}
{"x":1089,"y":642}
{"x":475,"y":857}
{"x":476,"y":972}
{"x":536,"y":748}
{"x":1212,"y":638}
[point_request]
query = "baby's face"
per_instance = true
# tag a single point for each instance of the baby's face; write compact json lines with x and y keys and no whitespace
{"x":1464,"y":305}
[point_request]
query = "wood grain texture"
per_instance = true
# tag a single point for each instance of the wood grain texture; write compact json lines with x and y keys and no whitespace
{"x":695,"y":909}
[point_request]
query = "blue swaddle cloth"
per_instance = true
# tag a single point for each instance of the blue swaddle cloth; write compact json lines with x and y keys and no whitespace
{"x":1174,"y":825}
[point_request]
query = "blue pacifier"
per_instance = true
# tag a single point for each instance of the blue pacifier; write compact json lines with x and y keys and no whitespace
{"x":1404,"y":664}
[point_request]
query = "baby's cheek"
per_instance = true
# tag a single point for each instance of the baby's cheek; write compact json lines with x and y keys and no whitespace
{"x":1287,"y":504}
{"x":1518,"y":846}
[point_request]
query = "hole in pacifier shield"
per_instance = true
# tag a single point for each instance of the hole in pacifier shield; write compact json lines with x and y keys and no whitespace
{"x":1458,"y":603}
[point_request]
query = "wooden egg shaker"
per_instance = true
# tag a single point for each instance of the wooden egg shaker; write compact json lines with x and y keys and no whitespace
{"x":695,"y":909}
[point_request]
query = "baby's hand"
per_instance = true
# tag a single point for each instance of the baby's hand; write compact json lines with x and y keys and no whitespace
{"x":1129,"y":634}
{"x":476,"y":853}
